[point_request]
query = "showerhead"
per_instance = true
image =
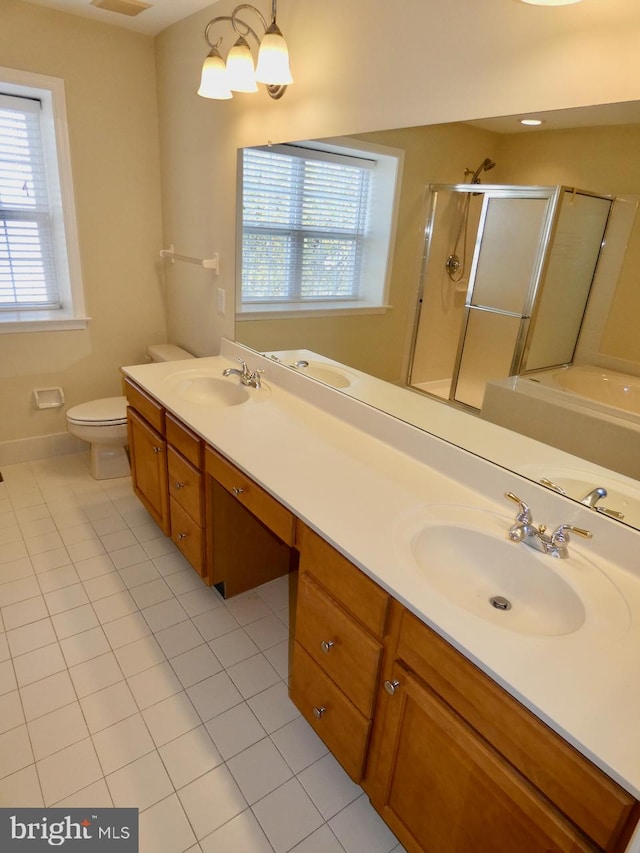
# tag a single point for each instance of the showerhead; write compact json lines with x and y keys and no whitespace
{"x":485,"y":166}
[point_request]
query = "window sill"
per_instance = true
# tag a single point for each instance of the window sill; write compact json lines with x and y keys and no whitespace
{"x":295,"y":311}
{"x":14,"y":322}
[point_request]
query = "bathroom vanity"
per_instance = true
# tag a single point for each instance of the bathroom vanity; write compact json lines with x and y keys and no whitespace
{"x":466,"y":733}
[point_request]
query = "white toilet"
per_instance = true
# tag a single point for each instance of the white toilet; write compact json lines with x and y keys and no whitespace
{"x":103,"y":423}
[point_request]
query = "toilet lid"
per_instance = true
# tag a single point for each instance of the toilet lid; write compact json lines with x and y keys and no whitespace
{"x":109,"y":410}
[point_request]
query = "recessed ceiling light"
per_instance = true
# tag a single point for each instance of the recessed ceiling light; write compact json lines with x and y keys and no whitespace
{"x":531,"y":122}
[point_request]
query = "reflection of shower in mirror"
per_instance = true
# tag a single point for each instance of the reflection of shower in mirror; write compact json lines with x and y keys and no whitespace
{"x":456,"y":265}
{"x":485,"y":166}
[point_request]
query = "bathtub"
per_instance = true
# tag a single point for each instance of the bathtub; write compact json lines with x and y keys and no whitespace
{"x":617,"y":394}
{"x":588,"y":411}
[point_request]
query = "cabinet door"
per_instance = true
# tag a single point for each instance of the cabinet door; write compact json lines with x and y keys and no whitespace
{"x":148,"y":451}
{"x":443,"y":789}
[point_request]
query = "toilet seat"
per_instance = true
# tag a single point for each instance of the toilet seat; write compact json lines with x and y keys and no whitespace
{"x":109,"y":411}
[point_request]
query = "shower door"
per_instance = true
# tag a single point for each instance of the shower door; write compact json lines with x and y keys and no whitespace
{"x":472,"y":319}
{"x":506,"y":269}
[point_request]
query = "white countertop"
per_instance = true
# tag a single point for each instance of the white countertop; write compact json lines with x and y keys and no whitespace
{"x":353,"y":474}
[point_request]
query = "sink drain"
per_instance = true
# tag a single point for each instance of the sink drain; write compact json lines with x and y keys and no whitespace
{"x":500,"y":602}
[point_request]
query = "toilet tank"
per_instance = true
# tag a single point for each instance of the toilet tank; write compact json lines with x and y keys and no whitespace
{"x":167,"y":352}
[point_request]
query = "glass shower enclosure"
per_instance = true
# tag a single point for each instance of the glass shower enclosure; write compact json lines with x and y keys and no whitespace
{"x":505,"y":278}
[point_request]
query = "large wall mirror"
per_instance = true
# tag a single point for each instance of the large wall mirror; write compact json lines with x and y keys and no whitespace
{"x":591,"y":156}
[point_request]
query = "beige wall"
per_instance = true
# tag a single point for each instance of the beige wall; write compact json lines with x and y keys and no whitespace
{"x":110,"y":85}
{"x":362,"y":66}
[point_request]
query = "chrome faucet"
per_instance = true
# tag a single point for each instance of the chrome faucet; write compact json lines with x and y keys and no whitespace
{"x":247,"y":377}
{"x":591,"y":500}
{"x":592,"y":497}
{"x":554,"y":544}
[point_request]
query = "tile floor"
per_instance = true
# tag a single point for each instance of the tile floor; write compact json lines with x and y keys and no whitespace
{"x":125,"y":681}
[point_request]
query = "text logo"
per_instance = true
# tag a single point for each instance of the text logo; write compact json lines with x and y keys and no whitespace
{"x":101,"y":830}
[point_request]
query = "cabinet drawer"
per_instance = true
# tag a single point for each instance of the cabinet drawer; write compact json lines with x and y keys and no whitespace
{"x":593,"y":801}
{"x":185,"y":485}
{"x":340,"y":725}
{"x":187,"y":536}
{"x":337,"y":643}
{"x":149,"y":408}
{"x":271,"y":513}
{"x":187,"y":442}
{"x":358,"y":593}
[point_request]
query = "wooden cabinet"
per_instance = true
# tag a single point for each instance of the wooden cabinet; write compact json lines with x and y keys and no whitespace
{"x":165,"y":458}
{"x":337,"y":651}
{"x":186,"y":490}
{"x":148,"y":454}
{"x":249,"y":534}
{"x":459,"y":765}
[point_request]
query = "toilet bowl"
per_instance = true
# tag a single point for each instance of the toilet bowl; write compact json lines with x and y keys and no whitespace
{"x":103,"y":423}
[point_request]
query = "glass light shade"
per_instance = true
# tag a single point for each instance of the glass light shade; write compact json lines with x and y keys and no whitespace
{"x":214,"y":83}
{"x":241,"y":72}
{"x":273,"y":59}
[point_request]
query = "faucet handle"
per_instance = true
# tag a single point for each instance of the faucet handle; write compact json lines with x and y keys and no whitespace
{"x":524,"y":516}
{"x":243,"y":364}
{"x":561,"y":534}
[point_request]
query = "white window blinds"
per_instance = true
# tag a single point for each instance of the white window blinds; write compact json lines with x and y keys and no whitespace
{"x":304,"y":225}
{"x":27,"y":263}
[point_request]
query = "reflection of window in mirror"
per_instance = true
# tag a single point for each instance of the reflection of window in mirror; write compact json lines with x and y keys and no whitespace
{"x":317,"y":226}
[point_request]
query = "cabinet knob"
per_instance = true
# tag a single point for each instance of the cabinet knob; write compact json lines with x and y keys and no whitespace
{"x":180,"y":485}
{"x":391,"y":687}
{"x":318,"y":712}
{"x":237,"y":490}
{"x":326,"y":646}
{"x":182,"y":535}
{"x":157,"y":449}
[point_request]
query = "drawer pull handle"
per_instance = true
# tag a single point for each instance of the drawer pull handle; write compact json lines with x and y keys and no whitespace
{"x":157,"y":449}
{"x":237,"y":490}
{"x":318,"y":712}
{"x":391,"y":687}
{"x":180,"y":485}
{"x":182,"y":535}
{"x":326,"y":646}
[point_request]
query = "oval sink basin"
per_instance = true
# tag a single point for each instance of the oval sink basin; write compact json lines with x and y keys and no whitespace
{"x":212,"y":391}
{"x":327,"y":374}
{"x":464,"y":554}
{"x":208,"y":389}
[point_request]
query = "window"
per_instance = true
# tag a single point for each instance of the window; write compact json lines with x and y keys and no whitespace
{"x":40,"y":285}
{"x":316,"y":227}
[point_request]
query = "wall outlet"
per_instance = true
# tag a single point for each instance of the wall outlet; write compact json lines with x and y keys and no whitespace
{"x":222,"y":300}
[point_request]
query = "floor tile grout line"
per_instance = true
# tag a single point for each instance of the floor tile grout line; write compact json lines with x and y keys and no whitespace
{"x":261,"y":651}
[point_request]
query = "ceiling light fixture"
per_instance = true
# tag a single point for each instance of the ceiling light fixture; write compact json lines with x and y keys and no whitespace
{"x":220,"y":80}
{"x":531,"y":122}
